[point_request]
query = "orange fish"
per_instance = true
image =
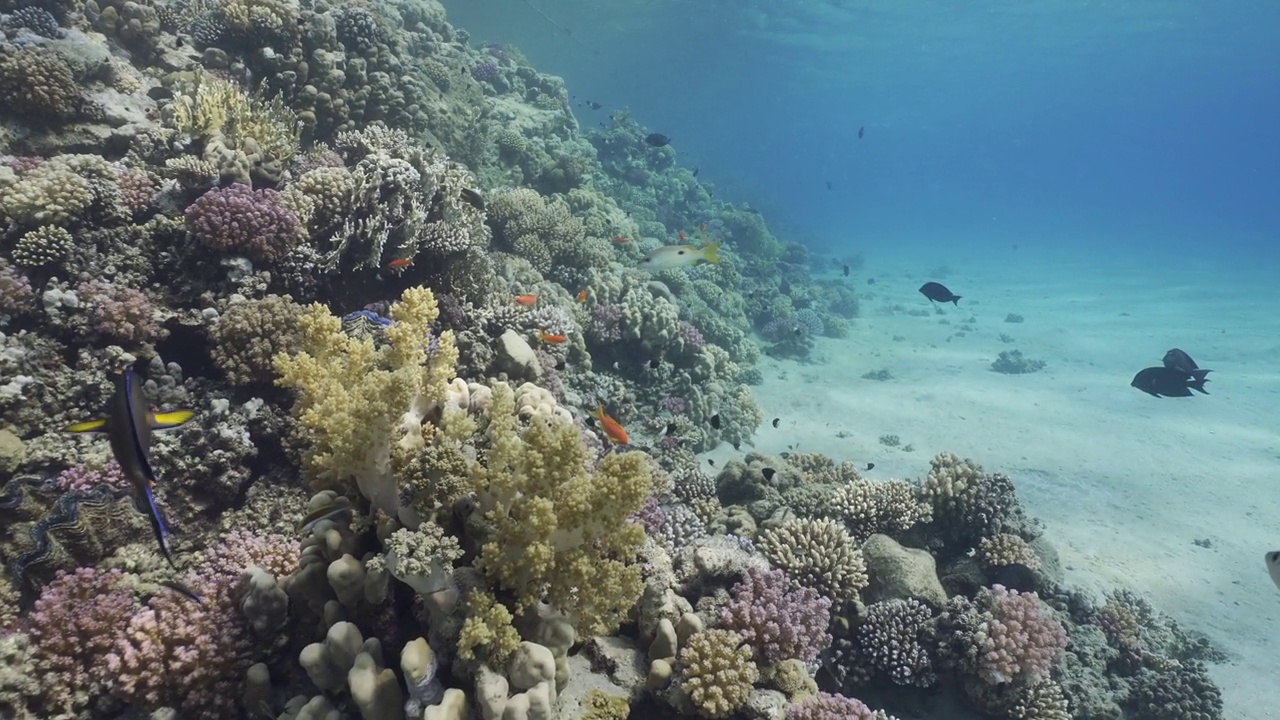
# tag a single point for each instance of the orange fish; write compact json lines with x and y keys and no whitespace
{"x":682,"y":236}
{"x":526,"y":300}
{"x":400,"y":264}
{"x":582,"y":295}
{"x":610,"y":427}
{"x":547,"y":337}
{"x":619,"y":240}
{"x":704,"y":227}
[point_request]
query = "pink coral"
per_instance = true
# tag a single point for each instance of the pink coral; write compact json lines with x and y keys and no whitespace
{"x":120,"y":313}
{"x":222,"y":567}
{"x":84,"y":477}
{"x":1019,"y":641}
{"x":673,"y":404}
{"x":236,"y":219}
{"x":781,"y":623}
{"x":606,"y":323}
{"x":691,"y":336}
{"x":17,"y":297}
{"x":828,"y":706}
{"x":136,"y":189}
{"x":74,"y":624}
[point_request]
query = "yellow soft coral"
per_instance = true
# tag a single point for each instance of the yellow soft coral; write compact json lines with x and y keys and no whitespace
{"x":557,"y":532}
{"x":355,"y":399}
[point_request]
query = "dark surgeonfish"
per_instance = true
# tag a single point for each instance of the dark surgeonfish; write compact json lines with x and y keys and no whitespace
{"x":1273,"y":566}
{"x":1167,"y":382}
{"x":937,"y":292}
{"x":657,"y":139}
{"x":128,"y":424}
{"x":1176,"y":359}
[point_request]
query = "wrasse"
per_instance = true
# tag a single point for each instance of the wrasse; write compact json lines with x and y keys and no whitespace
{"x":128,"y":425}
{"x":582,"y":295}
{"x":547,"y":337}
{"x":526,"y":300}
{"x":610,"y":427}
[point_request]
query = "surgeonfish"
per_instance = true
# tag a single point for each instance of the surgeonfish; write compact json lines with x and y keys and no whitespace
{"x":128,"y":424}
{"x":939,"y":293}
{"x":680,"y":256}
{"x":1273,"y":566}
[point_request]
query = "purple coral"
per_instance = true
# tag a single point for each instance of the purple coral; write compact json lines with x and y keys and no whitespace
{"x":606,"y":323}
{"x":1019,"y":640}
{"x":16,"y":294}
{"x":84,"y":477}
{"x":118,"y":312}
{"x":827,"y":706}
{"x":781,"y":623}
{"x":236,"y":219}
{"x":136,"y":189}
{"x":486,"y":70}
{"x":673,"y":404}
{"x":691,"y":336}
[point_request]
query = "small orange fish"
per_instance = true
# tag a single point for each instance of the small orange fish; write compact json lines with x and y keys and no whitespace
{"x":610,"y":427}
{"x":619,"y":240}
{"x":704,"y":227}
{"x":681,"y":236}
{"x":400,"y":264}
{"x":526,"y":300}
{"x":547,"y":337}
{"x":582,"y":295}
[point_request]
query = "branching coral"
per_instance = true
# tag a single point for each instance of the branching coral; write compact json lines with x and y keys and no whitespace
{"x":355,"y":400}
{"x":778,"y":622}
{"x":878,"y":507}
{"x":819,"y":554}
{"x":556,"y":531}
{"x":717,"y":672}
{"x":968,"y":504}
{"x":237,"y":219}
{"x":896,"y":639}
{"x":251,"y":333}
{"x":1002,"y":636}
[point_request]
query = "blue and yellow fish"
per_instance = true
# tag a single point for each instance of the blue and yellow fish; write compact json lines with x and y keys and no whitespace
{"x":128,"y":424}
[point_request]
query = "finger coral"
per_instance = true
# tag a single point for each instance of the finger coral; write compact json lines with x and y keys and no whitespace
{"x":717,"y":672}
{"x":240,"y":220}
{"x":827,"y":706}
{"x":819,"y":554}
{"x":779,"y":622}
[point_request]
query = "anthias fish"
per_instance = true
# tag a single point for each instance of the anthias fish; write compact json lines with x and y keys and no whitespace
{"x":937,"y":292}
{"x":1167,"y":382}
{"x":680,"y":256}
{"x":128,"y":424}
{"x":610,"y":427}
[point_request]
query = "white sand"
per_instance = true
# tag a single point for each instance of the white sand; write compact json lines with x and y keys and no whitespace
{"x":1124,"y":482}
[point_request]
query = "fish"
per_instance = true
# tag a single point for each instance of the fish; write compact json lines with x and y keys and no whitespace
{"x":870,"y":466}
{"x":179,"y":41}
{"x":715,"y":420}
{"x":582,"y":295}
{"x":399,"y":265}
{"x":862,"y":131}
{"x":1176,"y":359}
{"x":669,"y":257}
{"x":549,"y":338}
{"x":828,"y":184}
{"x":768,"y":473}
{"x":610,"y":427}
{"x":128,"y":424}
{"x":937,"y":292}
{"x":671,"y":428}
{"x":775,"y":421}
{"x":654,"y":364}
{"x":594,"y":105}
{"x":681,"y":235}
{"x":183,"y":590}
{"x":619,"y":240}
{"x":871,"y":281}
{"x":473,"y":198}
{"x":658,"y":140}
{"x":711,"y":462}
{"x":1167,"y":382}
{"x":845,"y":270}
{"x":697,"y":170}
{"x":525,"y":300}
{"x":1273,"y":566}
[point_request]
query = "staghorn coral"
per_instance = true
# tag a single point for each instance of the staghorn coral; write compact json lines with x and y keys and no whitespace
{"x":896,"y":640}
{"x":356,"y":400}
{"x":778,"y":622}
{"x":239,"y":220}
{"x":209,"y":108}
{"x":717,"y":672}
{"x":555,"y":531}
{"x":251,"y":333}
{"x":819,"y":554}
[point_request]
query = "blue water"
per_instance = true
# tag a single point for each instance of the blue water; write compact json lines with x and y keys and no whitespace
{"x":1144,"y":128}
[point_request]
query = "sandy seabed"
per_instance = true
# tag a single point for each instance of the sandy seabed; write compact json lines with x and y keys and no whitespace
{"x":1125,"y":483}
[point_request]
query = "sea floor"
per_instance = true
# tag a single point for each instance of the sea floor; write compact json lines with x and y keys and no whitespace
{"x":1125,"y":483}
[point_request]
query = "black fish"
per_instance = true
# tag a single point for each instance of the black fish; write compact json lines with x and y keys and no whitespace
{"x":654,"y":364}
{"x":671,"y":427}
{"x":715,"y":421}
{"x":870,"y":466}
{"x":711,"y":462}
{"x":1176,"y":359}
{"x":594,"y":105}
{"x":183,"y":590}
{"x":473,"y":198}
{"x":871,"y":281}
{"x":697,"y":170}
{"x":845,"y":269}
{"x":737,"y":446}
{"x":775,"y":421}
{"x":1167,"y":382}
{"x":658,"y":140}
{"x":862,"y":131}
{"x":768,"y":473}
{"x":178,"y":41}
{"x":1016,"y":576}
{"x":828,"y":184}
{"x":937,"y":292}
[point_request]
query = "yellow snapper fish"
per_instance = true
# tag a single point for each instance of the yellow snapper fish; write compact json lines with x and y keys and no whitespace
{"x":128,"y":424}
{"x":1273,"y":566}
{"x":679,"y":256}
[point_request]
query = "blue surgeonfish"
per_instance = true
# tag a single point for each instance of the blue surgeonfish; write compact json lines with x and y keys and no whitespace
{"x":128,"y":424}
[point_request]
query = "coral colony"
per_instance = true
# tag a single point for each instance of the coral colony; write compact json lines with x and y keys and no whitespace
{"x":412,"y":330}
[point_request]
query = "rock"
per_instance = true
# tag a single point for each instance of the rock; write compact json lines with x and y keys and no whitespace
{"x":1050,"y":564}
{"x":619,"y":658}
{"x":898,"y":572}
{"x":765,"y":705}
{"x":516,"y":358}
